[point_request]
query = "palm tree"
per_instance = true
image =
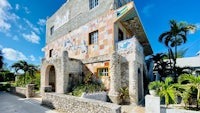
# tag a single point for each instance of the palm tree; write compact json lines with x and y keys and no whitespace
{"x":193,"y":82}
{"x":176,"y":36}
{"x":168,"y":91}
{"x":23,"y":65}
{"x":160,"y":65}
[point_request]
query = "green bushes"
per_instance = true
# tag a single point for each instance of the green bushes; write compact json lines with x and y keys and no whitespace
{"x":188,"y":88}
{"x":4,"y":86}
{"x":88,"y":88}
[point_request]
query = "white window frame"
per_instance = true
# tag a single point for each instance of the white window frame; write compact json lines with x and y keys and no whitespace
{"x":93,"y":37}
{"x":103,"y":71}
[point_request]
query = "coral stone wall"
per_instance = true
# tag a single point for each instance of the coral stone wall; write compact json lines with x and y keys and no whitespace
{"x":71,"y":104}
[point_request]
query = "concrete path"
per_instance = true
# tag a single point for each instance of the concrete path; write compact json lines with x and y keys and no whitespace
{"x":12,"y":104}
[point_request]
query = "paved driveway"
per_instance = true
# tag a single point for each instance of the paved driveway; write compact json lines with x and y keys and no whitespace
{"x":12,"y":104}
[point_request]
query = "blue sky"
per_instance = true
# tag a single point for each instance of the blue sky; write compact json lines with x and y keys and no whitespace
{"x":22,"y":25}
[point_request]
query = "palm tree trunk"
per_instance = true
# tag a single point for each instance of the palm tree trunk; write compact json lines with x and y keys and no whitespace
{"x":24,"y":77}
{"x":175,"y":77}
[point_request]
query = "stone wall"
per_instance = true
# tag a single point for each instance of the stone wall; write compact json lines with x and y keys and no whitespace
{"x":27,"y":91}
{"x":171,"y":110}
{"x":71,"y":104}
{"x":102,"y":96}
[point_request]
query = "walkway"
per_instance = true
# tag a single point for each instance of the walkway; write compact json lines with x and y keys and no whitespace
{"x":12,"y":104}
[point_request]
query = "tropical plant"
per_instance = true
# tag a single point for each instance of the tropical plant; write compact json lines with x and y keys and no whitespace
{"x":123,"y":94}
{"x":193,"y":81}
{"x":168,"y":91}
{"x":25,"y":67}
{"x":161,"y":66}
{"x":155,"y":85}
{"x":176,"y":36}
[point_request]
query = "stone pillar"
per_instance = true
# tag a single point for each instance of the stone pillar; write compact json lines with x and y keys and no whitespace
{"x":133,"y":82}
{"x":30,"y":90}
{"x":115,"y":77}
{"x":65,"y":65}
{"x":42,"y":77}
{"x":152,"y":104}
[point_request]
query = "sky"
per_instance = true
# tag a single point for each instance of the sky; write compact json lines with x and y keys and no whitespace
{"x":22,"y":25}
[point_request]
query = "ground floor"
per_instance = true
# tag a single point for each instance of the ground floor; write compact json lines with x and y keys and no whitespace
{"x":115,"y":70}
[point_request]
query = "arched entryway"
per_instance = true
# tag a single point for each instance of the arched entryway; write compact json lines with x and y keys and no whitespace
{"x":52,"y":78}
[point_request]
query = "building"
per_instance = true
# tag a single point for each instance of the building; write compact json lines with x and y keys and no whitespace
{"x":105,"y":37}
{"x":192,"y":62}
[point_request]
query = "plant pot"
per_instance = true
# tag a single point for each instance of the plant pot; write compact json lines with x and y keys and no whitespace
{"x":152,"y":92}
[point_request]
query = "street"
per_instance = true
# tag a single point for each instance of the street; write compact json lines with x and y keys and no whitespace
{"x":13,"y":104}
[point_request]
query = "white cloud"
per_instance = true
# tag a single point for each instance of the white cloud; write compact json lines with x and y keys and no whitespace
{"x":32,"y":26}
{"x":147,"y":8}
{"x":32,"y":37}
{"x":198,"y":26}
{"x":27,"y":11}
{"x":13,"y":55}
{"x":41,"y":22}
{"x":32,"y":58}
{"x":17,"y":7}
{"x":6,"y":16}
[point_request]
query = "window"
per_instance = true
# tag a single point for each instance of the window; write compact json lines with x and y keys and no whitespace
{"x":102,"y":71}
{"x":93,"y":37}
{"x":50,"y":53}
{"x":120,"y":35}
{"x":51,"y":30}
{"x":93,"y":3}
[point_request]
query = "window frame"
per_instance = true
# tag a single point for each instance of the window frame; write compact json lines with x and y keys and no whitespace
{"x":120,"y":38}
{"x":93,"y":4}
{"x":105,"y":73}
{"x":50,"y":53}
{"x":51,"y":30}
{"x":93,"y":37}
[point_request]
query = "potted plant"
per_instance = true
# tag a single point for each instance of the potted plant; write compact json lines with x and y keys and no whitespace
{"x":124,"y":95}
{"x":153,"y":87}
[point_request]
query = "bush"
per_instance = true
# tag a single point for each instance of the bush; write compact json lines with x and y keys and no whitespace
{"x":88,"y":88}
{"x":4,"y":86}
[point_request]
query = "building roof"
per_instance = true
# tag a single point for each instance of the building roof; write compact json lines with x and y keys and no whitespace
{"x":189,"y":61}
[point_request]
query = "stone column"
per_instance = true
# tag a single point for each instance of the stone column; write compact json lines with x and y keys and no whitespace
{"x":65,"y":65}
{"x":42,"y":77}
{"x":152,"y":104}
{"x":115,"y":77}
{"x":133,"y":82}
{"x":30,"y":90}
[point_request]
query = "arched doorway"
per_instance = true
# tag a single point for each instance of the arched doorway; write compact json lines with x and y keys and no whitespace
{"x":52,"y":78}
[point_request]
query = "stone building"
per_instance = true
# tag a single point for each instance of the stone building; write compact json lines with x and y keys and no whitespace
{"x":105,"y":37}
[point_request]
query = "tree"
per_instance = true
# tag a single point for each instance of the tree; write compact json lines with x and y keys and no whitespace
{"x":193,"y":82}
{"x":1,"y":60}
{"x":161,"y":66}
{"x":176,"y":36}
{"x":27,"y":68}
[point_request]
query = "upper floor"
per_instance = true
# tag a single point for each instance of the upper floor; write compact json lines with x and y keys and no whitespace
{"x":114,"y":30}
{"x":75,"y":13}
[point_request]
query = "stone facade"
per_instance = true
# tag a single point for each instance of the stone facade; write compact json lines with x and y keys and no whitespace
{"x":120,"y":48}
{"x":71,"y":104}
{"x":27,"y":91}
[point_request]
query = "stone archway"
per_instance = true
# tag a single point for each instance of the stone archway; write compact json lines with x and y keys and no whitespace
{"x":52,"y":78}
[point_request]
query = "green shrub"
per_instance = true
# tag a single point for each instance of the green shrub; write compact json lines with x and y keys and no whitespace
{"x":88,"y":88}
{"x":4,"y":86}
